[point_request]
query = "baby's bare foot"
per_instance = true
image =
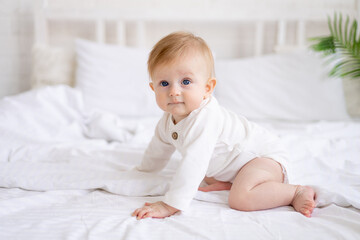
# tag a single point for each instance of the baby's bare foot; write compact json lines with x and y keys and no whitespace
{"x":217,"y":186}
{"x":304,"y":200}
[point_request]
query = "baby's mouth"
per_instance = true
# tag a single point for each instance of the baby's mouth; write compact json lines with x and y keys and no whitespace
{"x":175,"y":102}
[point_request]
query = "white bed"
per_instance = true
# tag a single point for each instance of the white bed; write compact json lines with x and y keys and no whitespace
{"x":67,"y":152}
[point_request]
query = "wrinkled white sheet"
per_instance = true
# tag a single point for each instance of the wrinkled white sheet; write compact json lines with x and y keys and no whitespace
{"x":56,"y":159}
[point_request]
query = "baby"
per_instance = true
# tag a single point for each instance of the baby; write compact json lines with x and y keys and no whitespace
{"x":224,"y":149}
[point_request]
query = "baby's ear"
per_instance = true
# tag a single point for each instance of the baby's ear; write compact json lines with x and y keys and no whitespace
{"x":210,"y":85}
{"x":151,"y":85}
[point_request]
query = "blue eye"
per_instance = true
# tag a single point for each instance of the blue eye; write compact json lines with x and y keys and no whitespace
{"x":164,"y":83}
{"x":186,"y":82}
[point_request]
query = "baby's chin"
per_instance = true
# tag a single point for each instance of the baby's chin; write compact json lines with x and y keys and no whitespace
{"x":179,"y":116}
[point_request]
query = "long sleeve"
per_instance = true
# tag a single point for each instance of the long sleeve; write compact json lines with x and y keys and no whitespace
{"x":158,"y":152}
{"x":196,"y":153}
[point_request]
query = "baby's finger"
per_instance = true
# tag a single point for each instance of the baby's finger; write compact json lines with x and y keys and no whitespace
{"x":141,"y":214}
{"x":136,"y":212}
{"x":147,"y":204}
{"x":146,"y":215}
{"x":133,"y":213}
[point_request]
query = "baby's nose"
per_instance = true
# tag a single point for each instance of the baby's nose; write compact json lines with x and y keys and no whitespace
{"x":174,"y":91}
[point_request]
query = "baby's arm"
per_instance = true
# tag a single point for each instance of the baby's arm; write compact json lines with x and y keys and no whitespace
{"x":157,"y":154}
{"x":155,"y":159}
{"x":154,"y":210}
{"x":196,"y":150}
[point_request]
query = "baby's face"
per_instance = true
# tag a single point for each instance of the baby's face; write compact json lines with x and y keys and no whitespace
{"x":182,"y":85}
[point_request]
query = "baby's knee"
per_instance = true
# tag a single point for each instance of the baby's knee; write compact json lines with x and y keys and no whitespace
{"x":241,"y":202}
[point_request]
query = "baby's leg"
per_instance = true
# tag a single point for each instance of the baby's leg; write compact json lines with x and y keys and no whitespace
{"x":214,"y":185}
{"x":259,"y":185}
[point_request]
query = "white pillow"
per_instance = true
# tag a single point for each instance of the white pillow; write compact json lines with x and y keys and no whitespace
{"x":115,"y":79}
{"x":52,"y":65}
{"x":292,"y":86}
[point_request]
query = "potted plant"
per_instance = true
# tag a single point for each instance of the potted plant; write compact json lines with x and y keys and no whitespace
{"x":342,"y":49}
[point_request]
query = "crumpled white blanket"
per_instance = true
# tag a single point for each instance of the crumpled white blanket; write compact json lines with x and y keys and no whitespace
{"x":50,"y":142}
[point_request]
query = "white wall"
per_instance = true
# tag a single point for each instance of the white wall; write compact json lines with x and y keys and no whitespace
{"x":16,"y":37}
{"x":17,"y":27}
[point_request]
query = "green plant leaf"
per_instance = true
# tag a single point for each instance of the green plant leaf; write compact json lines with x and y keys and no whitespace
{"x":346,"y":31}
{"x":330,"y":27}
{"x":340,"y":36}
{"x":335,"y":26}
{"x":342,"y":45}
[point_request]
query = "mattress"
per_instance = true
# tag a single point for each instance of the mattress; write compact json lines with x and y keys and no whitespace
{"x":66,"y":173}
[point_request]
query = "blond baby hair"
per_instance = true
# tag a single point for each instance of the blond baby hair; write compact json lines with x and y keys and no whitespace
{"x":175,"y":45}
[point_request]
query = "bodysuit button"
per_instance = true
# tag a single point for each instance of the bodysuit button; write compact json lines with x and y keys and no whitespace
{"x":174,"y":135}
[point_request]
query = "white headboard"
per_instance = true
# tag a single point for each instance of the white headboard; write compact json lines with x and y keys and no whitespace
{"x":232,"y":28}
{"x":134,"y":17}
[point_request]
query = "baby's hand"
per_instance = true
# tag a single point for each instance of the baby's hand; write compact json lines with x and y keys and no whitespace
{"x":154,"y":210}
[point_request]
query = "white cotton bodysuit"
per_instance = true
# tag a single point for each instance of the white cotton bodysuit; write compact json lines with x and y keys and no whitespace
{"x":213,"y":142}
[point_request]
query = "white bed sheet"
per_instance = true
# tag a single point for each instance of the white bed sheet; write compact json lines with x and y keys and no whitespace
{"x":65,"y":174}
